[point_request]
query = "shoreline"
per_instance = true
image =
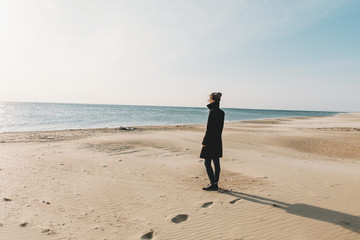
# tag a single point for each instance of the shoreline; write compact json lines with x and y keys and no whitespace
{"x":143,"y":127}
{"x":22,"y":117}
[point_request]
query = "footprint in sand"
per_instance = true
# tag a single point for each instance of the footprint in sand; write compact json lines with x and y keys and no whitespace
{"x":235,"y":200}
{"x":207,"y":204}
{"x":180,"y":218}
{"x":23,"y":224}
{"x":148,"y":235}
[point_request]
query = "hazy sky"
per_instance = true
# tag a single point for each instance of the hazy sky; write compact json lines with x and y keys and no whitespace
{"x":270,"y":54}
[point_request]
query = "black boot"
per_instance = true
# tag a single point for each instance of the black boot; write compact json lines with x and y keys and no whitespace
{"x":211,"y":187}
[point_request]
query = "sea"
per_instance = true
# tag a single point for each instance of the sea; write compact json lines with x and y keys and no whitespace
{"x":28,"y":116}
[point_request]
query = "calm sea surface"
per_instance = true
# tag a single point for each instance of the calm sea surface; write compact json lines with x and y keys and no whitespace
{"x":18,"y":117}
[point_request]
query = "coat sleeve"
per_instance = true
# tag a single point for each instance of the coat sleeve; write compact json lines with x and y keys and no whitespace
{"x":209,"y":129}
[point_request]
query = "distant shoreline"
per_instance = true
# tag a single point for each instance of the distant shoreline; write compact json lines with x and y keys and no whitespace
{"x":24,"y":117}
{"x":165,"y":127}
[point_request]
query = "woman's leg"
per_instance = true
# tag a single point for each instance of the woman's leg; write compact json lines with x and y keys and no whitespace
{"x":209,"y":170}
{"x":217,"y":169}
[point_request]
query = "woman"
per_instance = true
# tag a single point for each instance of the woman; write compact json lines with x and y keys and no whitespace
{"x":212,"y":143}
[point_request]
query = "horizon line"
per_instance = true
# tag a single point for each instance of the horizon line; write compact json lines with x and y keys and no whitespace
{"x":113,"y":104}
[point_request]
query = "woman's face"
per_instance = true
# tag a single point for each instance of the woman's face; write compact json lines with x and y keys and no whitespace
{"x":210,"y":99}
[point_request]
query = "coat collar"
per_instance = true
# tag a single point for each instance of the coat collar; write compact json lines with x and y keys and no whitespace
{"x":213,"y":105}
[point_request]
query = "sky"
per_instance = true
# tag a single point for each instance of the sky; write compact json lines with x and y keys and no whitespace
{"x":261,"y":54}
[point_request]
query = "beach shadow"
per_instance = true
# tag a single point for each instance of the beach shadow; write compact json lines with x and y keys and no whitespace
{"x":345,"y":220}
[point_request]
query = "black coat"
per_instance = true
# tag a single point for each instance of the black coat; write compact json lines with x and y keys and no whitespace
{"x":212,"y":139}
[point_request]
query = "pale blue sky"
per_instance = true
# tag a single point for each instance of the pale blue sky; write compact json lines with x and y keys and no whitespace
{"x":260,"y":54}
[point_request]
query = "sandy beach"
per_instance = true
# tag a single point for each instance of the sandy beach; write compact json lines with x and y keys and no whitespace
{"x":288,"y":178}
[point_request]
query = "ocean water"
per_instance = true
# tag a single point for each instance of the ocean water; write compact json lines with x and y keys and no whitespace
{"x":19,"y":117}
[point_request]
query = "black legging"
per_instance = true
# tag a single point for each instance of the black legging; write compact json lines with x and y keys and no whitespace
{"x":210,"y":172}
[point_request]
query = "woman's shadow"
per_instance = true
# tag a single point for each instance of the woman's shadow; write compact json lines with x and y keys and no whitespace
{"x":345,"y":220}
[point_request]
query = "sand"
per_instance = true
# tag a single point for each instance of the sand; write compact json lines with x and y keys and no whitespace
{"x":289,"y":178}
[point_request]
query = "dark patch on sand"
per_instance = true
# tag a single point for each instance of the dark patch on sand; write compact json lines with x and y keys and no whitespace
{"x":148,"y":235}
{"x":180,"y":218}
{"x":24,"y":224}
{"x":109,"y":147}
{"x":234,"y":201}
{"x":207,"y":204}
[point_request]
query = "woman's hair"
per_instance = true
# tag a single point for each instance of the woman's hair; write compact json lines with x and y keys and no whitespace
{"x":216,"y":96}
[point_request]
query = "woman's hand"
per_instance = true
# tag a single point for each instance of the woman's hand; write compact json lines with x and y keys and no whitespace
{"x":204,"y":145}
